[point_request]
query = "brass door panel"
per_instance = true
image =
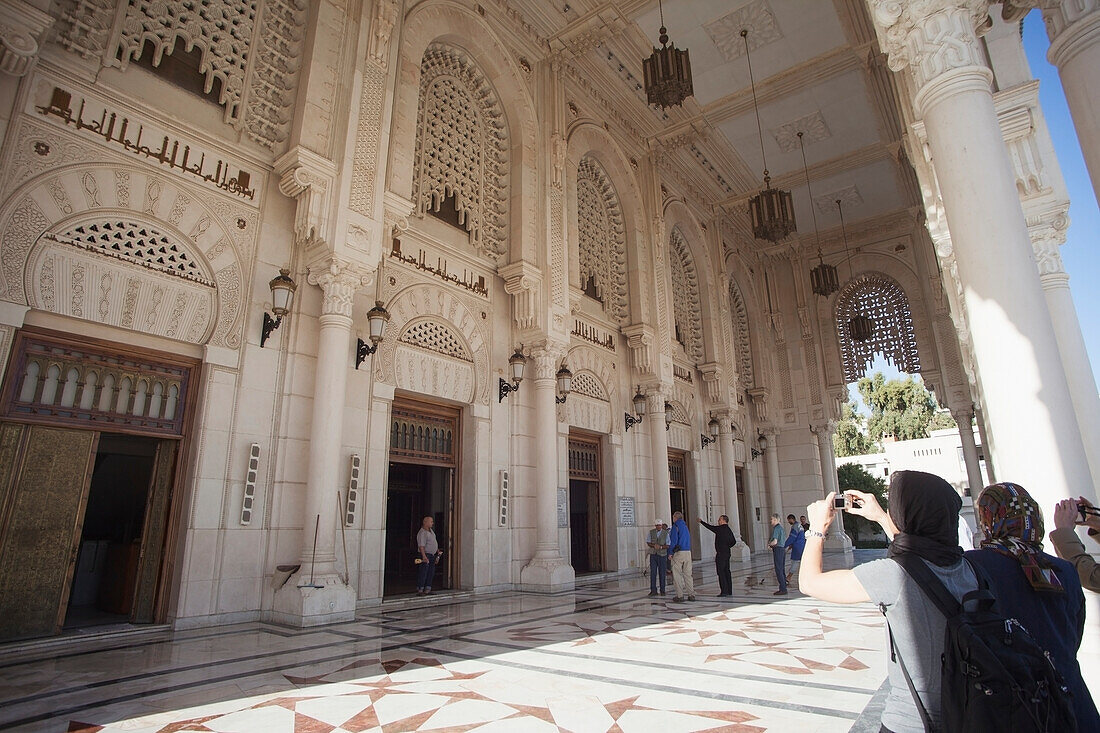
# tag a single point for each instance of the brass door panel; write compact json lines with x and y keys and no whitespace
{"x":155,"y":526}
{"x":44,"y":513}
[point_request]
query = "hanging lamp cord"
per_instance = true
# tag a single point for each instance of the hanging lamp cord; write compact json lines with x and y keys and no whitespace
{"x":756,"y":108}
{"x":813,"y":213}
{"x":844,"y":233}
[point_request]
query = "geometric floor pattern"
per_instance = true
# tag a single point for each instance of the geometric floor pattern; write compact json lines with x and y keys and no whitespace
{"x":605,"y":657}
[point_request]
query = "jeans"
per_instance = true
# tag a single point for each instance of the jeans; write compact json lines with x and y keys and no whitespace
{"x":658,"y":565}
{"x":722,"y":565}
{"x":425,"y":572}
{"x":779,"y":554}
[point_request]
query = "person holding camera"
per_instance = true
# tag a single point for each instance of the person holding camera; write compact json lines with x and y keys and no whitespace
{"x":923,"y":522}
{"x":1068,"y":514}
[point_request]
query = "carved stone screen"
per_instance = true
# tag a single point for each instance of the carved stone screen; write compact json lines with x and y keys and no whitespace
{"x":602,"y":238}
{"x":881,"y":299}
{"x":685,"y":297}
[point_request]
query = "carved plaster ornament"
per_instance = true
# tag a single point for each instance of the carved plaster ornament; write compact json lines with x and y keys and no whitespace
{"x":685,"y":296}
{"x":880,"y":298}
{"x":307,"y":177}
{"x":339,"y":281}
{"x":21,"y":25}
{"x":602,"y":238}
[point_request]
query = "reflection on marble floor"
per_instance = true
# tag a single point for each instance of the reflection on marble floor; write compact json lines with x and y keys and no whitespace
{"x":606,"y":658}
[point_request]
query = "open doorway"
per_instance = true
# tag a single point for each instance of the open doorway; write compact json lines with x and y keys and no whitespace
{"x":585,"y":517}
{"x":106,"y":575}
{"x":415,"y":492}
{"x":677,"y":485}
{"x":742,"y":507}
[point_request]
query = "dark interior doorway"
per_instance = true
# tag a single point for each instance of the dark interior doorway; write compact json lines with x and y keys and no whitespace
{"x":106,"y":576}
{"x":414,"y":492}
{"x":584,"y":527}
{"x":742,"y":507}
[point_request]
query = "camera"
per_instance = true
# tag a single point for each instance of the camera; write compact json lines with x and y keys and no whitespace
{"x":1086,"y":511}
{"x":842,"y":501}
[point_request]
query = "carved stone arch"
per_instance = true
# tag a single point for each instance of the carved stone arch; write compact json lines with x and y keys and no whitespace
{"x":462,"y":147}
{"x":587,"y":140}
{"x":601,"y":240}
{"x":880,"y":298}
{"x":742,"y":345}
{"x":687,"y":316}
{"x":585,"y":408}
{"x":585,"y":358}
{"x":415,"y":367}
{"x":459,"y":27}
{"x":102,"y":228}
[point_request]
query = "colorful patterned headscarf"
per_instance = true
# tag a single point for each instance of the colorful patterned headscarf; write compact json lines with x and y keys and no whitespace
{"x":1013,"y":526}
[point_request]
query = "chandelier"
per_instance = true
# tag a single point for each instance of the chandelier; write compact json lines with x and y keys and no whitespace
{"x":667,"y":72}
{"x":772,"y":210}
{"x":823,"y":278}
{"x":860,"y":327}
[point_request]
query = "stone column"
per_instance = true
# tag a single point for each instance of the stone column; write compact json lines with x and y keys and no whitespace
{"x":658,"y":454}
{"x":296,"y":602}
{"x":771,"y":478}
{"x":729,"y":485}
{"x":1026,"y":396}
{"x":964,"y":416}
{"x":838,"y":540}
{"x":547,"y":572}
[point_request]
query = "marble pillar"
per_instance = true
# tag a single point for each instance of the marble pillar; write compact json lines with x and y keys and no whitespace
{"x":1026,"y":396}
{"x":740,"y":551}
{"x":964,"y":417}
{"x":658,"y":454}
{"x":752,"y":501}
{"x":548,"y":571}
{"x":838,"y":540}
{"x":771,"y":477}
{"x":316,"y":593}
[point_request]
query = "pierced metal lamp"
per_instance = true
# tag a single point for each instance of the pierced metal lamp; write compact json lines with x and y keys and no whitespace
{"x":667,"y":72}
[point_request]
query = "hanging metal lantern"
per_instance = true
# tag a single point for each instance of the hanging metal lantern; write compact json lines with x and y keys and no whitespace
{"x":861,"y":328}
{"x":824,"y":279}
{"x":772,"y":212}
{"x":667,"y":73}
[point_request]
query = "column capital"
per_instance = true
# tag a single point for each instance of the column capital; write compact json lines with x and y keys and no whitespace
{"x":308,"y":178}
{"x":339,"y":280}
{"x":21,"y":27}
{"x":546,"y":357}
{"x":963,"y":415}
{"x":824,"y":429}
{"x":932,"y":37}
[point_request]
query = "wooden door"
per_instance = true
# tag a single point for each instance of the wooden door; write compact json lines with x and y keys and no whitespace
{"x":154,"y":530}
{"x":44,"y":474}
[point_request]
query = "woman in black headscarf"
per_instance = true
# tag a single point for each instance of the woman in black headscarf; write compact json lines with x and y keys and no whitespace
{"x":923,"y":522}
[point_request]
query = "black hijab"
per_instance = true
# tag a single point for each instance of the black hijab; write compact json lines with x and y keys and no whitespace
{"x":925,"y":509}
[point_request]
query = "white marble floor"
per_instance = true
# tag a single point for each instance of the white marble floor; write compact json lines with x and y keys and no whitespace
{"x":605,"y":658}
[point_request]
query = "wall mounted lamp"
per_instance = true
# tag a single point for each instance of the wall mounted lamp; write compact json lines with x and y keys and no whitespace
{"x":763,"y":443}
{"x":565,"y":384}
{"x":517,"y":362}
{"x":668,"y":415}
{"x":712,"y":426}
{"x":639,"y":410}
{"x":282,"y":298}
{"x":377,"y":320}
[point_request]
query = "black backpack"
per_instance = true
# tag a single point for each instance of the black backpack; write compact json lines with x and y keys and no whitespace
{"x":995,"y":675}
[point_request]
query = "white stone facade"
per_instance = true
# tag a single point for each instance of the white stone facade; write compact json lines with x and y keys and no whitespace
{"x":489,"y":174}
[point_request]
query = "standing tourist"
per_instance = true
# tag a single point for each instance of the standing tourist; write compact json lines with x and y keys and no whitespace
{"x":1068,"y":514}
{"x":724,"y":539}
{"x":1041,"y":591}
{"x":657,"y":548}
{"x":796,"y":542}
{"x":430,"y":553}
{"x":679,"y":550}
{"x":779,"y":553}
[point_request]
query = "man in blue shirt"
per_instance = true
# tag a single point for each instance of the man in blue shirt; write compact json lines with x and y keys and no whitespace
{"x":679,"y":552}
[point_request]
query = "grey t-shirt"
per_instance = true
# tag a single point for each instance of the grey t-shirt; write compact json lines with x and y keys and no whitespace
{"x":918,"y":636}
{"x":426,"y":538}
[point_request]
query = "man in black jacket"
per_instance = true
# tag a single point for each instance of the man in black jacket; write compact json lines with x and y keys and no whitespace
{"x":724,"y":539}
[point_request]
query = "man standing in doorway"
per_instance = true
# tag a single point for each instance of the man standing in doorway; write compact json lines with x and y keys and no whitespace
{"x":679,"y":550}
{"x":429,"y":556}
{"x":724,"y":539}
{"x":796,"y":543}
{"x":779,"y":553}
{"x":657,"y":547}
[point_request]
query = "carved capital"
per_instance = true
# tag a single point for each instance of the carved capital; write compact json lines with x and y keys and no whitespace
{"x":964,"y":415}
{"x":824,"y":430}
{"x":1071,"y":26}
{"x":640,"y":339}
{"x":546,"y":357}
{"x":759,"y":402}
{"x":21,"y":25}
{"x":712,"y":380}
{"x":308,"y":178}
{"x":931,"y":37}
{"x":523,"y":281}
{"x":339,"y":281}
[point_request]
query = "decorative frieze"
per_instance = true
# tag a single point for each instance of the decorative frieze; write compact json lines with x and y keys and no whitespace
{"x":593,"y":334}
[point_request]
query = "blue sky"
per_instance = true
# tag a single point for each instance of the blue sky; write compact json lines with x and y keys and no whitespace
{"x":1079,"y":254}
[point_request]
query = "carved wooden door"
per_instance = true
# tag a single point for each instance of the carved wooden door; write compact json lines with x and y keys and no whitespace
{"x":44,"y":477}
{"x":155,"y":527}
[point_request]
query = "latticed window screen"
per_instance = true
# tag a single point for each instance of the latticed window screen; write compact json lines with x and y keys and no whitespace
{"x":602,"y":239}
{"x":137,"y":243}
{"x":585,"y":383}
{"x":435,"y":337}
{"x":677,"y":473}
{"x":881,"y":299}
{"x":584,"y":459}
{"x":420,"y":437}
{"x":686,"y":311}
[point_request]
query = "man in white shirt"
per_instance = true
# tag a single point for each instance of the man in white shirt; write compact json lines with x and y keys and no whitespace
{"x":429,"y":556}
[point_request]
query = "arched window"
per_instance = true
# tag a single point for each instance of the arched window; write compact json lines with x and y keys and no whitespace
{"x":881,"y":299}
{"x":686,"y":313}
{"x":602,"y":239}
{"x":461,"y":167}
{"x":741,"y":345}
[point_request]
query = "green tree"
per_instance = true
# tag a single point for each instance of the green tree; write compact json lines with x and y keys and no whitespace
{"x":850,"y":438}
{"x":855,"y":476}
{"x":903,"y":408}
